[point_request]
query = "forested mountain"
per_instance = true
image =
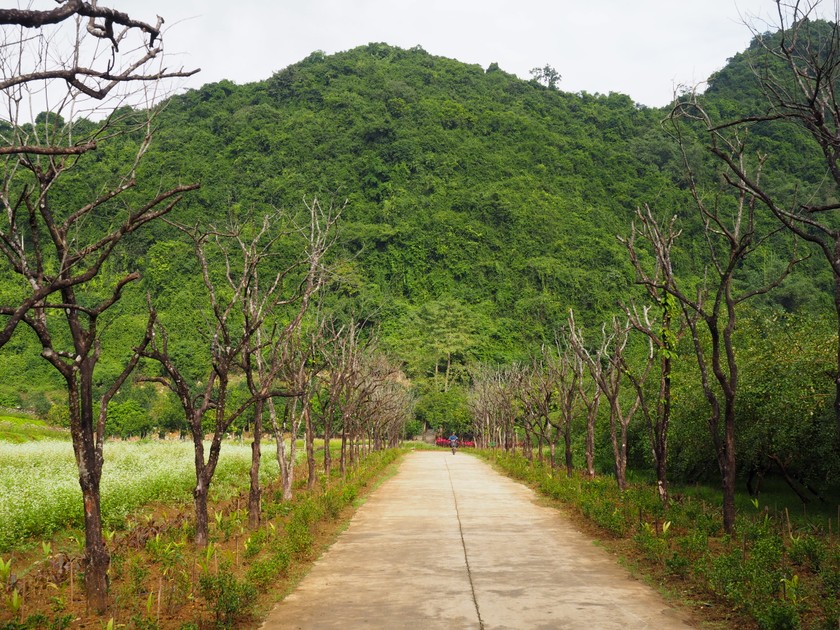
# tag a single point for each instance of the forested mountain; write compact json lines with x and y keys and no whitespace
{"x":470,"y":192}
{"x":480,"y":207}
{"x":471,"y":195}
{"x":476,"y":202}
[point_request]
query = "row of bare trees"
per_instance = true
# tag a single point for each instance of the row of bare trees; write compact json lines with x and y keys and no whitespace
{"x":579,"y":374}
{"x":797,"y":71}
{"x":111,"y":60}
{"x":260,"y":324}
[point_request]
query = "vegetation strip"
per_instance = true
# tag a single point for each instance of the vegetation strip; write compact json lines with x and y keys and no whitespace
{"x":158,"y":580}
{"x":777,"y":570}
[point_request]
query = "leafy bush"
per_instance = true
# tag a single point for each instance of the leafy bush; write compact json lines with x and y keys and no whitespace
{"x":226,"y":596}
{"x":807,"y":551}
{"x":299,"y":537}
{"x":263,"y":572}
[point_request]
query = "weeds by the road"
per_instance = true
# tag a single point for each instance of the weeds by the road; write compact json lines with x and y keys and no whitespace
{"x":774,"y":572}
{"x":158,"y":579}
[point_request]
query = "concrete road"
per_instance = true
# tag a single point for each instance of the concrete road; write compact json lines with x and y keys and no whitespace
{"x":450,"y":543}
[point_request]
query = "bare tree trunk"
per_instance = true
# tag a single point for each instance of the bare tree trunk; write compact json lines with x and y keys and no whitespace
{"x":255,"y":492}
{"x":343,"y":460}
{"x":728,"y":470}
{"x":327,"y":438}
{"x":280,"y":442}
{"x":289,"y":479}
{"x":309,"y":434}
{"x":619,"y":450}
{"x":567,"y":439}
{"x":202,"y":525}
{"x":97,"y":559}
{"x":837,"y":375}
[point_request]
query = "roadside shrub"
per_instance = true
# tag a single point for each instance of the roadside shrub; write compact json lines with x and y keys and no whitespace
{"x":254,"y":544}
{"x":349,"y":493}
{"x":725,"y":575}
{"x":332,"y":501}
{"x":299,"y":537}
{"x":228,"y":598}
{"x":263,"y":572}
{"x":778,"y":615}
{"x":654,"y":547}
{"x":764,"y":567}
{"x":807,"y":551}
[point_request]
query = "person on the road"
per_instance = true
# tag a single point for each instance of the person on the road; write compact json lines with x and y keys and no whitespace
{"x":453,"y":442}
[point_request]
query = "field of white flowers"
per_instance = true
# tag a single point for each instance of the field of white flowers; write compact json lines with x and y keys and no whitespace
{"x":39,"y":486}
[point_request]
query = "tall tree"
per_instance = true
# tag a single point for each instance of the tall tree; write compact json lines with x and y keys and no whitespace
{"x":263,"y":354}
{"x":48,"y":235}
{"x":238,"y":308}
{"x":732,"y":235}
{"x":663,"y":333}
{"x":798,"y":72}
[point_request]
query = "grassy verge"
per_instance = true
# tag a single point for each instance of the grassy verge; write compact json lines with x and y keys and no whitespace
{"x":18,"y":428}
{"x":775,"y":572}
{"x":159,"y":580}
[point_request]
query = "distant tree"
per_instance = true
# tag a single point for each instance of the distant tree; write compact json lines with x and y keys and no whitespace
{"x":607,"y":367}
{"x":546,"y":75}
{"x":73,"y":57}
{"x":567,"y":369}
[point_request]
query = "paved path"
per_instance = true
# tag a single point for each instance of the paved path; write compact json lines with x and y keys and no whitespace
{"x":450,"y":543}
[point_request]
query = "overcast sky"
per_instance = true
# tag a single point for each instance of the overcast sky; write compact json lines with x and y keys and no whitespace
{"x":643,"y":48}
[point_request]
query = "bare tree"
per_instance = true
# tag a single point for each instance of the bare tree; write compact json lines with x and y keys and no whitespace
{"x":239,"y":308}
{"x":297,"y":353}
{"x":537,"y":392}
{"x":51,"y":245}
{"x":493,"y":402}
{"x":607,"y":367}
{"x":262,"y":357}
{"x":591,"y":396}
{"x":731,"y":236}
{"x":663,"y":333}
{"x":798,"y":70}
{"x":567,"y":369}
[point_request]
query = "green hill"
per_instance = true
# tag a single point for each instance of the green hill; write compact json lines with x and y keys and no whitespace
{"x":480,"y":207}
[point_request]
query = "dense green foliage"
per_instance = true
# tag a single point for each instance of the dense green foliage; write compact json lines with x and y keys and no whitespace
{"x":480,"y":208}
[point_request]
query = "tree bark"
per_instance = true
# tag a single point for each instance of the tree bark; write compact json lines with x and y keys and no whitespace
{"x":837,"y":374}
{"x":309,"y":432}
{"x":89,"y":461}
{"x":255,"y":492}
{"x":202,"y":525}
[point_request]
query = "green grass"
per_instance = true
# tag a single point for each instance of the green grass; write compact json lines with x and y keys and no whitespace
{"x":19,"y":427}
{"x":39,"y":488}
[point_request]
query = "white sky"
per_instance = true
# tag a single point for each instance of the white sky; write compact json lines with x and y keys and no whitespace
{"x":643,"y":48}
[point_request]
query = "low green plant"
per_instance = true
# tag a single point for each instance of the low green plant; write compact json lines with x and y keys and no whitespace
{"x":139,"y":622}
{"x":15,"y":601}
{"x":654,"y":547}
{"x":299,"y":537}
{"x":5,"y":571}
{"x":207,"y":557}
{"x":263,"y":572}
{"x":227,"y":597}
{"x":807,"y":551}
{"x":137,"y":574}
